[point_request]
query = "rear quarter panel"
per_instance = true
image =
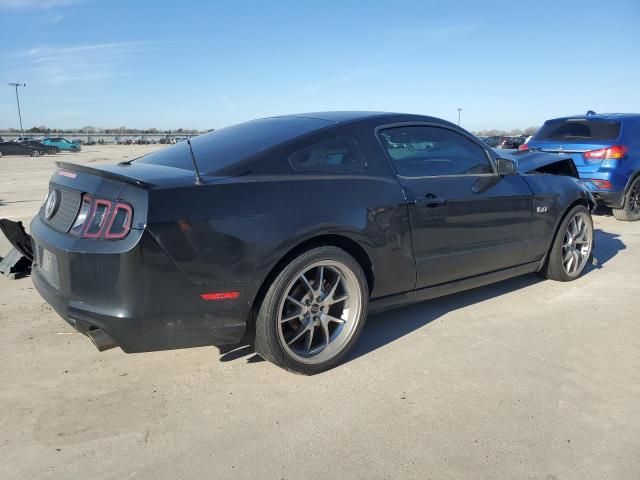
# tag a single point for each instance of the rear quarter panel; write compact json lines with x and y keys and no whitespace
{"x":239,"y":229}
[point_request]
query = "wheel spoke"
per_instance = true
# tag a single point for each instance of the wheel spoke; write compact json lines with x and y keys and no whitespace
{"x":576,"y":260}
{"x":320,"y":279}
{"x":296,"y":302}
{"x":309,"y":341}
{"x":331,"y":318}
{"x":325,"y":330}
{"x":566,"y":256}
{"x":306,"y":282}
{"x":339,"y":299}
{"x":569,"y":263}
{"x":332,"y":292}
{"x":292,"y":317}
{"x":304,"y":328}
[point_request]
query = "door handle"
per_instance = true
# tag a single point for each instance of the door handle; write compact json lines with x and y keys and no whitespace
{"x":431,"y":201}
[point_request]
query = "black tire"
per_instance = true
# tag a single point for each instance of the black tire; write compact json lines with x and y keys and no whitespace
{"x":631,"y":210}
{"x":268,"y":341}
{"x":554,"y":268}
{"x":0,"y":154}
{"x":52,"y":151}
{"x":35,"y":153}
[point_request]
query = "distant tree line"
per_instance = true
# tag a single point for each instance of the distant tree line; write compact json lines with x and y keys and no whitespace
{"x":511,"y":133}
{"x":113,"y":131}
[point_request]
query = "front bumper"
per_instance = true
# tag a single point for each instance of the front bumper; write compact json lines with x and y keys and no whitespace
{"x":136,"y":296}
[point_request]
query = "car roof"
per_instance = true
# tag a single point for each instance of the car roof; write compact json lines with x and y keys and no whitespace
{"x":338,"y":116}
{"x":598,"y":116}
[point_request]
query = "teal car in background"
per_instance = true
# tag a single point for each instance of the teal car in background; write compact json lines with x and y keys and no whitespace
{"x":62,"y":144}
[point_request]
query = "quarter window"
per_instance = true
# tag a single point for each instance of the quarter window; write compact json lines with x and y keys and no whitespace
{"x":420,"y":151}
{"x":337,"y":154}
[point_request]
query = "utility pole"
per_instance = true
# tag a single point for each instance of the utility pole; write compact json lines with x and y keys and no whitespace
{"x":459,"y":110}
{"x":16,"y":85}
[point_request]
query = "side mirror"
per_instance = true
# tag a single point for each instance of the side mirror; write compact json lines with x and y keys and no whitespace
{"x":506,"y":166}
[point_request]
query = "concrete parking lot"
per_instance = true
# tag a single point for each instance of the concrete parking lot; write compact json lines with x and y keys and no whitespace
{"x":526,"y":379}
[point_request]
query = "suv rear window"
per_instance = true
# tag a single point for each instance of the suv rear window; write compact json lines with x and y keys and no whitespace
{"x":579,"y":130}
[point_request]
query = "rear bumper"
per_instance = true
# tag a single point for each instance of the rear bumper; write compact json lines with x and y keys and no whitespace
{"x":610,"y":199}
{"x":613,"y":197}
{"x":137,"y":296}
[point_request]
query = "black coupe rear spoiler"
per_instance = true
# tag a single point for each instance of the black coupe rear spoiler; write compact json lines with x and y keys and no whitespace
{"x":102,"y":173}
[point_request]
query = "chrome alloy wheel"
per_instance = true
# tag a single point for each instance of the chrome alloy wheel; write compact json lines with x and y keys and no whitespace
{"x":319,"y":312}
{"x":577,"y":244}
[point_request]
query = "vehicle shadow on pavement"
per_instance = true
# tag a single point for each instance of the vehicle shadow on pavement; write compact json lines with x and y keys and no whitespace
{"x":229,"y":353}
{"x":386,"y":327}
{"x":607,"y":246}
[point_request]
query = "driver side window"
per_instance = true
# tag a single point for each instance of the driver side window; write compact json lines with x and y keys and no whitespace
{"x":421,"y":151}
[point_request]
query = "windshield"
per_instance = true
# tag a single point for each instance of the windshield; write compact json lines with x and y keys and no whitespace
{"x":218,"y":150}
{"x":579,"y":130}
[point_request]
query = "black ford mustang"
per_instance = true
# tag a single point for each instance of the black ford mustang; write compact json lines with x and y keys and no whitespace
{"x":31,"y":147}
{"x":288,"y":230}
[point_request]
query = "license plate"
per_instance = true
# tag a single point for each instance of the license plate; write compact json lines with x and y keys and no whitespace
{"x":49,"y":267}
{"x":47,"y":262}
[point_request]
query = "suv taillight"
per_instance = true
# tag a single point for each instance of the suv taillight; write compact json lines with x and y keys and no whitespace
{"x":617,"y":151}
{"x":98,"y":218}
{"x":524,"y":146}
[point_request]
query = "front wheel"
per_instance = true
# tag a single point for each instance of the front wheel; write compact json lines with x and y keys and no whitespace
{"x":35,"y":153}
{"x":631,"y":210}
{"x":313,"y":312}
{"x":572,"y":247}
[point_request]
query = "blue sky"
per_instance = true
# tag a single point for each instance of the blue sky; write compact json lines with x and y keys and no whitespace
{"x":208,"y":64}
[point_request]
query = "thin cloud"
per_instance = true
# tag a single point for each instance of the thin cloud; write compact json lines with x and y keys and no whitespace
{"x":228,"y":103}
{"x":24,"y":4}
{"x":438,"y":30}
{"x":315,"y":87}
{"x":59,"y":65}
{"x":56,"y":17}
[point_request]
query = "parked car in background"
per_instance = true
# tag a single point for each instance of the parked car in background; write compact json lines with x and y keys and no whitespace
{"x":606,"y":150}
{"x":512,"y":143}
{"x":21,"y":139}
{"x":289,"y":230}
{"x":493,"y":141}
{"x":62,"y":144}
{"x":35,"y":149}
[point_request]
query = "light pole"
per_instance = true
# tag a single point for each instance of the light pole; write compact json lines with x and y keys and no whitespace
{"x":459,"y":110}
{"x":16,"y":85}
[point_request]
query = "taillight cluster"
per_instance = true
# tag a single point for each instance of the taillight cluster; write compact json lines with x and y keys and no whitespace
{"x":100,"y":218}
{"x":524,"y":146}
{"x":617,"y":151}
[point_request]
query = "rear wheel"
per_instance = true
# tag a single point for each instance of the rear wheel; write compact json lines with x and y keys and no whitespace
{"x":313,"y":312}
{"x":631,"y":210}
{"x":35,"y":153}
{"x":572,"y":248}
{"x":52,"y":151}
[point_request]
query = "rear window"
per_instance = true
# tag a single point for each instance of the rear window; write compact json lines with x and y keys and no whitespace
{"x":217,"y":151}
{"x":579,"y":130}
{"x":335,"y":155}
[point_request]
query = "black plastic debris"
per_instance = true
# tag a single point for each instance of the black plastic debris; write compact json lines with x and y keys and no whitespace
{"x":17,"y":263}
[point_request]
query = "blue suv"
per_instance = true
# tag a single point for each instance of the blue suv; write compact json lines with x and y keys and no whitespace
{"x":606,"y":150}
